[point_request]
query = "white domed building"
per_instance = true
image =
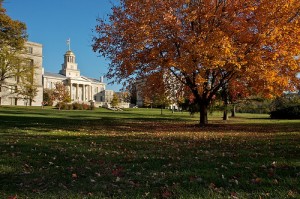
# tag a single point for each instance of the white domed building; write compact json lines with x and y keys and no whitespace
{"x":82,"y":89}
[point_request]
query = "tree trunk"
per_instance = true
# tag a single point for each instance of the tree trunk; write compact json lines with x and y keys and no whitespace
{"x":225,"y":99}
{"x":233,"y":110}
{"x":203,"y":114}
{"x":225,"y":113}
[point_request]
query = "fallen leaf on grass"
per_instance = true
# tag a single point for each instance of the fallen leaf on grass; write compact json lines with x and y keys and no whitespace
{"x":119,"y":171}
{"x":212,"y":185}
{"x":275,"y":181}
{"x":92,"y":180}
{"x":74,"y":175}
{"x":233,"y":195}
{"x":256,"y":180}
{"x":291,"y":194}
{"x":166,"y":194}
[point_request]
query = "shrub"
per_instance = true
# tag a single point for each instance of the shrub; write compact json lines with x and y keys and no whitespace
{"x":48,"y":97}
{"x":290,"y":112}
{"x":76,"y":106}
{"x":85,"y":106}
{"x":92,"y":107}
{"x":254,"y":106}
{"x":61,"y":105}
{"x":286,"y":107}
{"x":70,"y":106}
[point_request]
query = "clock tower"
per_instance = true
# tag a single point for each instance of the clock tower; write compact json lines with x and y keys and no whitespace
{"x":69,"y":67}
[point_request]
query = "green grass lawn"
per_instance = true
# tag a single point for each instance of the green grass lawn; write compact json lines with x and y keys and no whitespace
{"x":138,"y":153}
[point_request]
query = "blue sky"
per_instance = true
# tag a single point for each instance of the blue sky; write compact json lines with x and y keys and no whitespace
{"x":52,"y":22}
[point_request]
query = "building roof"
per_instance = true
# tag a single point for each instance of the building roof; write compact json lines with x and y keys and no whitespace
{"x":88,"y":79}
{"x":56,"y":75}
{"x":92,"y":79}
{"x":31,"y":43}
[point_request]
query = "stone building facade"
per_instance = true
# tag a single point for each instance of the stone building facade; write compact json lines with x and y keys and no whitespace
{"x":8,"y":96}
{"x":82,"y":89}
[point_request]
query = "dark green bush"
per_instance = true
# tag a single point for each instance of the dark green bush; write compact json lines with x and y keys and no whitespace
{"x":286,"y":107}
{"x":290,"y":112}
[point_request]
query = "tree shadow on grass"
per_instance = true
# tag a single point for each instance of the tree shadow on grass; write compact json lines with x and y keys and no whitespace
{"x":135,"y":124}
{"x":106,"y":156}
{"x":129,"y":166}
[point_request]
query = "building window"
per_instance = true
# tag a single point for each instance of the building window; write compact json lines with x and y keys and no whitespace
{"x":30,"y":62}
{"x":30,"y":50}
{"x":13,"y":101}
{"x":95,"y":98}
{"x":17,"y":78}
{"x":12,"y":89}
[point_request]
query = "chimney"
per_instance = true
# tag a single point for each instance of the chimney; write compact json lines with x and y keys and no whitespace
{"x":101,"y":79}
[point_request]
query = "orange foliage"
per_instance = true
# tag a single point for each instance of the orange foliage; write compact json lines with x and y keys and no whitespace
{"x":205,"y":43}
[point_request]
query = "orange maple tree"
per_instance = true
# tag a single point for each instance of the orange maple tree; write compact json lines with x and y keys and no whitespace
{"x":204,"y":43}
{"x":61,"y":94}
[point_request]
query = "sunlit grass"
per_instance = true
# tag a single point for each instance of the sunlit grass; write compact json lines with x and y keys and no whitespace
{"x":139,"y":153}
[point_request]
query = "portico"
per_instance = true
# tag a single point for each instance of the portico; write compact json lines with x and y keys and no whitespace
{"x":81,"y":91}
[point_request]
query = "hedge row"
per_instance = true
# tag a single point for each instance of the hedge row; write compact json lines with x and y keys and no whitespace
{"x":74,"y":106}
{"x":290,"y":112}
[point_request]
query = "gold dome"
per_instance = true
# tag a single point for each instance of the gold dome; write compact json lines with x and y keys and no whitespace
{"x":69,"y":52}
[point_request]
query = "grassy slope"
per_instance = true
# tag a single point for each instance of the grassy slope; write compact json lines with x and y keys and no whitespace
{"x":140,"y":154}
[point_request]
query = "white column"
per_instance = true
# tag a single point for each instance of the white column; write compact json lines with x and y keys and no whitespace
{"x":77,"y":92}
{"x":83,"y":92}
{"x":92,"y":97}
{"x":70,"y":90}
{"x":88,"y":92}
